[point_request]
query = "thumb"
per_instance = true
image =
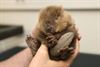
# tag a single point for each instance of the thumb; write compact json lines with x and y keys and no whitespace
{"x":42,"y":53}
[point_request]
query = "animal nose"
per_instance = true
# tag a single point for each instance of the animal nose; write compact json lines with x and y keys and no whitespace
{"x":51,"y":29}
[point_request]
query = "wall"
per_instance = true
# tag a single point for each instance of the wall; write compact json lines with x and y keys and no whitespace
{"x":87,"y":18}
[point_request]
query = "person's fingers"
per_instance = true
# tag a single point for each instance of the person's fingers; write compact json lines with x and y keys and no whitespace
{"x":33,"y":33}
{"x":77,"y":48}
{"x":57,"y":64}
{"x":40,"y":58}
{"x":79,"y":34}
{"x":73,"y":56}
{"x":42,"y":53}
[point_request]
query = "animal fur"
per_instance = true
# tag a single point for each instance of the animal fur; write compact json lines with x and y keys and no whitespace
{"x":53,"y":23}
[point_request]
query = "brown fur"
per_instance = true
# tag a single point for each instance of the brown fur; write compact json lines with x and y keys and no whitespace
{"x":57,"y":17}
{"x":53,"y":23}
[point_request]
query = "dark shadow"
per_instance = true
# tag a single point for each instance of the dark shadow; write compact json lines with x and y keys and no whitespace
{"x":10,"y":30}
{"x":9,"y":53}
{"x":86,"y":60}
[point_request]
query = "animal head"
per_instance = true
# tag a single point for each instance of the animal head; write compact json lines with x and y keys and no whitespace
{"x":54,"y":19}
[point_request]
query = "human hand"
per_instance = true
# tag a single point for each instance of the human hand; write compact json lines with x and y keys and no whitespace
{"x":41,"y":59}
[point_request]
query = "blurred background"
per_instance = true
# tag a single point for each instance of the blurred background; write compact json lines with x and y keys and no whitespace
{"x":19,"y":17}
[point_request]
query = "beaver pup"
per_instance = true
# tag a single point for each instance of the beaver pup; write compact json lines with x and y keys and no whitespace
{"x":56,"y":30}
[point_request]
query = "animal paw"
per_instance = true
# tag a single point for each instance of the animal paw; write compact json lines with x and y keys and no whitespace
{"x":52,"y":41}
{"x":33,"y":44}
